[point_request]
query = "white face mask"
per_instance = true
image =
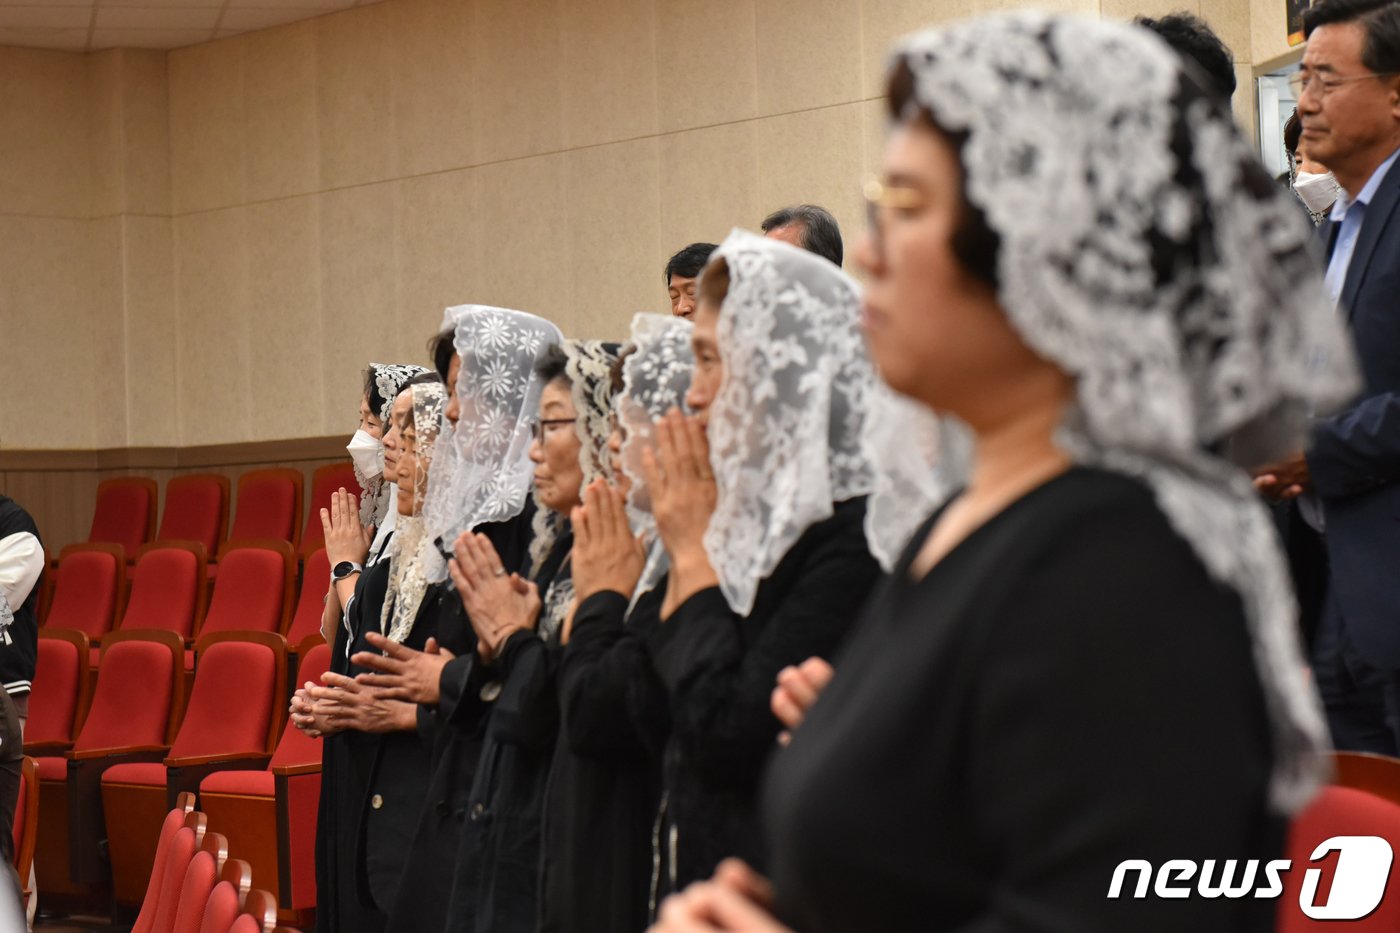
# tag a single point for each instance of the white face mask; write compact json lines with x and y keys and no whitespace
{"x":1317,"y":191}
{"x":368,"y":453}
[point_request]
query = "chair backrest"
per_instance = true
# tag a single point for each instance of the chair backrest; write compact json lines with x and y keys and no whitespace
{"x":139,"y":686}
{"x":125,"y":513}
{"x":269,"y":506}
{"x":59,"y":697}
{"x":173,"y":821}
{"x":315,"y":581}
{"x":196,"y":509}
{"x":236,"y":701}
{"x":1375,"y":774}
{"x":324,"y":482}
{"x":262,"y":908}
{"x":88,"y":593}
{"x":168,"y":591}
{"x":200,"y":877}
{"x":179,"y":854}
{"x":253,"y":590}
{"x":295,"y":746}
{"x":1338,"y":811}
{"x":221,"y":909}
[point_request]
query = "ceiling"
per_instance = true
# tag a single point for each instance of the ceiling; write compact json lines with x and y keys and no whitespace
{"x":91,"y":25}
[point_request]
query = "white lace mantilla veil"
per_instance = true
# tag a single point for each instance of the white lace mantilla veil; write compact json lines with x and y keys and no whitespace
{"x":588,"y":364}
{"x":785,"y":428}
{"x":376,"y":495}
{"x":483,"y":471}
{"x":655,"y":378}
{"x":1145,"y":251}
{"x":413,"y":551}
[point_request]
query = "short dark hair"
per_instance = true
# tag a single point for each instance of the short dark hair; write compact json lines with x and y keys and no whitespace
{"x":442,"y":348}
{"x":820,"y":232}
{"x":554,"y":364}
{"x":1379,"y":18}
{"x":1292,"y":135}
{"x":1196,"y":42}
{"x":688,"y":262}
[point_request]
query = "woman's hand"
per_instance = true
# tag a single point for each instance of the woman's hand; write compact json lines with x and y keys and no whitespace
{"x":737,"y":899}
{"x":498,"y":604}
{"x":349,"y":705}
{"x":683,"y":495}
{"x":798,"y":688}
{"x":346,"y":539}
{"x":404,"y":674}
{"x":304,"y":717}
{"x":606,"y":555}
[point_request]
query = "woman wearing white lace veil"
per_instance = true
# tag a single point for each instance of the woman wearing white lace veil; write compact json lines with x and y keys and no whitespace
{"x":760,"y":499}
{"x":518,"y":622}
{"x":605,"y":783}
{"x":1090,"y":655}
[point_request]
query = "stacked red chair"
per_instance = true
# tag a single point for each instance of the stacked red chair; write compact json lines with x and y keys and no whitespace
{"x":183,"y":815}
{"x":270,"y":815}
{"x":226,"y":899}
{"x":125,"y":512}
{"x":196,"y":509}
{"x":201,"y":876}
{"x":324,"y":482}
{"x":231,"y":722}
{"x":134,"y":711}
{"x":26,"y":825}
{"x":89,"y":589}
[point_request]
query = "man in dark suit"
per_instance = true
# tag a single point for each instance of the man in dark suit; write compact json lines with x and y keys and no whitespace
{"x":1348,"y":485}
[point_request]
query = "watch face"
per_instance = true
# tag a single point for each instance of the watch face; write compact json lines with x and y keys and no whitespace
{"x":343,"y":569}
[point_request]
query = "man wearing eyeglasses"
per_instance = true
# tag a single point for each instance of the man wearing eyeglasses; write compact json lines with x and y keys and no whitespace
{"x":1348,"y":486}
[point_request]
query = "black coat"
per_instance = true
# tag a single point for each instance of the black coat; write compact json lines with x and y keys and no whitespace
{"x":1068,"y":688}
{"x":720,"y":669}
{"x":606,"y":780}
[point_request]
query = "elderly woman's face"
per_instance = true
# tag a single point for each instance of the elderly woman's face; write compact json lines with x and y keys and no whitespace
{"x":454,"y":408}
{"x":708,"y":376}
{"x":555,"y":452}
{"x":936,"y":332}
{"x":402,"y":442}
{"x":369,"y":421}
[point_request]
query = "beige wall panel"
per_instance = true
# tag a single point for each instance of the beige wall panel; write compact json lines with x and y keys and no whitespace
{"x":1125,"y":10}
{"x":45,"y":167}
{"x":214,"y":378}
{"x":207,"y":126}
{"x":709,"y":184}
{"x":107,"y":313}
{"x":517,"y":76}
{"x":105,"y":93}
{"x":354,"y":96}
{"x":359,"y":298}
{"x":280,"y":107}
{"x":706,"y":62}
{"x":610,"y":88}
{"x":432,"y":91}
{"x":1268,"y":28}
{"x":823,"y":162}
{"x":439,"y":259}
{"x":884,"y":21}
{"x":525,"y":243}
{"x":614,"y":228}
{"x":152,"y":336}
{"x":287,"y":348}
{"x":46,"y":335}
{"x":146,"y":129}
{"x":809,"y":54}
{"x":1230,"y":20}
{"x":1087,"y":7}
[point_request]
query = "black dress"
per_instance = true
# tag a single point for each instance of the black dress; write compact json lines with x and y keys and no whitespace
{"x":719,"y":670}
{"x":606,"y":780}
{"x":1065,"y":690}
{"x":453,"y":730}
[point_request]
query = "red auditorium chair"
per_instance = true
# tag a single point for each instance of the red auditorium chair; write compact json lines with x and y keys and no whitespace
{"x":59,"y":698}
{"x":125,"y":513}
{"x":88,"y":592}
{"x":324,"y":482}
{"x":269,"y":506}
{"x":315,"y":581}
{"x":175,"y":862}
{"x":1375,"y":774}
{"x":259,"y":914}
{"x":1339,"y":811}
{"x":230,"y":722}
{"x":196,"y":509}
{"x":253,"y":592}
{"x":201,"y":876}
{"x":168,"y":591}
{"x":270,"y":815}
{"x":134,"y":711}
{"x":26,"y":825}
{"x":182,"y":815}
{"x":226,"y":899}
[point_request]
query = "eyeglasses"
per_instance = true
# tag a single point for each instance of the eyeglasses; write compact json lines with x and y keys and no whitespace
{"x":880,"y":198}
{"x":538,"y":429}
{"x":1301,"y":81}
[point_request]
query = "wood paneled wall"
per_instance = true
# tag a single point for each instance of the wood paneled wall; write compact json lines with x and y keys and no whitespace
{"x":59,"y":487}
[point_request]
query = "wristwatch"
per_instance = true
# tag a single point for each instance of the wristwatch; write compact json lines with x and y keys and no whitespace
{"x":344,"y":569}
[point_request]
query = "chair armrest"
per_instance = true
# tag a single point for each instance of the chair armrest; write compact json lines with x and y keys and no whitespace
{"x":89,"y":753}
{"x":46,"y":749}
{"x":310,"y":767}
{"x":227,"y":758}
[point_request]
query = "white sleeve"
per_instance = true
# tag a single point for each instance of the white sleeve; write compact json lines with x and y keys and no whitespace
{"x":21,"y":562}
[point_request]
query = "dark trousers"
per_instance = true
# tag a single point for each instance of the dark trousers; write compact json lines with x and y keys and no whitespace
{"x":1362,"y":701}
{"x":11,"y":760}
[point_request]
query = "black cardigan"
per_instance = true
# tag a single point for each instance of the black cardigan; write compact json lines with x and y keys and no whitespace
{"x":719,"y":670}
{"x":1066,"y":689}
